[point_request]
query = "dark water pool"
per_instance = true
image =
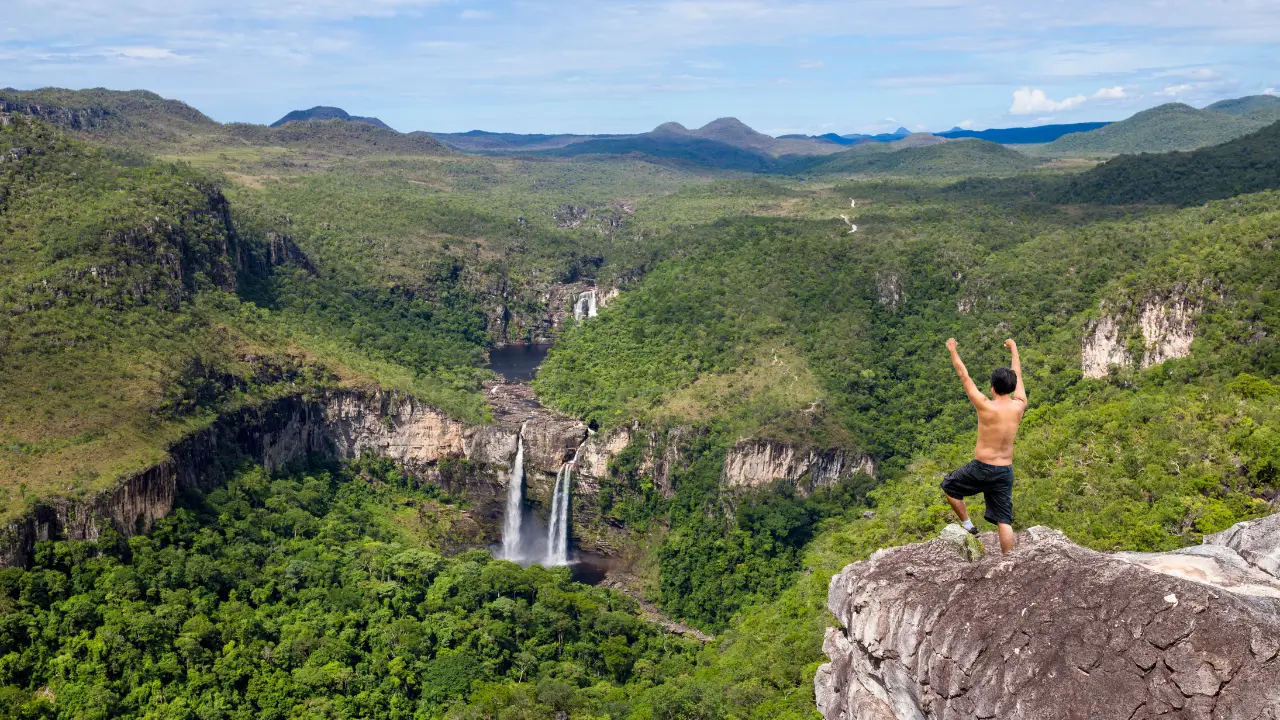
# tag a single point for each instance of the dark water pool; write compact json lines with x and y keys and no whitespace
{"x":517,"y":363}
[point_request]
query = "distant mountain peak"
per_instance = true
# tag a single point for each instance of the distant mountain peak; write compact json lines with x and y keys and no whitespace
{"x":726,"y":123}
{"x":901,"y":131}
{"x":326,"y":112}
{"x":672,"y":127}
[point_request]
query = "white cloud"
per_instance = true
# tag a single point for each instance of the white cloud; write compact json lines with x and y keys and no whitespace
{"x":142,"y":53}
{"x":1270,"y":91}
{"x":475,"y":14}
{"x":1111,"y":93}
{"x":1174,"y":90}
{"x":811,"y":64}
{"x":1029,"y":102}
{"x":965,"y":124}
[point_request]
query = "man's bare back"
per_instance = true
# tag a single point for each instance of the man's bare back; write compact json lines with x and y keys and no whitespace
{"x":991,"y":473}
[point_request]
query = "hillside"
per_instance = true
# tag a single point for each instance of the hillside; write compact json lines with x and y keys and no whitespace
{"x":145,"y":122}
{"x":679,"y":148}
{"x":1247,"y":104}
{"x":337,"y":137}
{"x":321,"y":112}
{"x":135,"y":116}
{"x":1169,"y":127}
{"x":967,"y":157}
{"x":483,"y":141}
{"x":126,"y":325}
{"x":1024,"y":135}
{"x":1244,"y":165}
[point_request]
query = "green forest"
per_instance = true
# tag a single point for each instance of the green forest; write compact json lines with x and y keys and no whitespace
{"x":144,"y":295}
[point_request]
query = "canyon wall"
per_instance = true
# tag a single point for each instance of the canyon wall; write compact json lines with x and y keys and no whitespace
{"x":757,"y":463}
{"x":469,"y":460}
{"x":1055,"y":630}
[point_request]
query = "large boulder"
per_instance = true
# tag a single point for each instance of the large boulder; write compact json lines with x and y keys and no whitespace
{"x":1052,"y":630}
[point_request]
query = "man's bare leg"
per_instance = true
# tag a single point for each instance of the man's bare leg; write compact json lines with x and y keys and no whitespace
{"x":1006,"y":537}
{"x":958,"y":506}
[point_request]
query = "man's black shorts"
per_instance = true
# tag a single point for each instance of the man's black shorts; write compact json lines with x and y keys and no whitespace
{"x":995,"y":482}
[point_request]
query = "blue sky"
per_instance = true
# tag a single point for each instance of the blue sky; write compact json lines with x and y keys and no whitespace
{"x":572,"y":66}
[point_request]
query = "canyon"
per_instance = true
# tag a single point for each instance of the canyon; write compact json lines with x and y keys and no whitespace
{"x":470,"y":460}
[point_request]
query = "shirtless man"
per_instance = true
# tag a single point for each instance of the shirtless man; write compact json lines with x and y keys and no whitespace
{"x":991,"y":472}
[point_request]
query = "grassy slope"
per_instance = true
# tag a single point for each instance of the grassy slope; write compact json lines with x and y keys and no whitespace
{"x":1161,"y":129}
{"x":967,"y":157}
{"x":122,"y":330}
{"x":1244,"y":165}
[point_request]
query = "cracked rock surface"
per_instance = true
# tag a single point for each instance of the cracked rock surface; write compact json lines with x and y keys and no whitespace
{"x":1052,"y":630}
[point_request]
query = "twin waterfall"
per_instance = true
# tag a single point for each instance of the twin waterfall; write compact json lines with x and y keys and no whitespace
{"x":557,"y":548}
{"x":556,"y":552}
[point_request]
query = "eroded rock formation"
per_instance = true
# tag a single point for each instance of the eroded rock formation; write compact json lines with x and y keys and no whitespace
{"x":756,"y":463}
{"x":1054,"y":630}
{"x":1166,"y":322}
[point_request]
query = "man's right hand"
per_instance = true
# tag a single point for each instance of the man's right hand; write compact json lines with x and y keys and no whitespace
{"x":951,"y":344}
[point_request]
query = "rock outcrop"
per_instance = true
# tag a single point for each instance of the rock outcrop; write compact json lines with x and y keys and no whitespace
{"x":756,"y":463}
{"x":1054,"y":630}
{"x":1166,"y":322}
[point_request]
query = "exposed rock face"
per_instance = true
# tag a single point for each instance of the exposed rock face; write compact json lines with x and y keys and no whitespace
{"x":1257,"y":542}
{"x":759,"y":462}
{"x":341,"y":425}
{"x":1052,"y":630}
{"x":1167,"y":324}
{"x":888,"y":289}
{"x":551,"y":307}
{"x":597,"y":451}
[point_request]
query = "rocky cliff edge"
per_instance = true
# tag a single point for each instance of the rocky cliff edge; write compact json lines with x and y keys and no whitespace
{"x":1055,"y":630}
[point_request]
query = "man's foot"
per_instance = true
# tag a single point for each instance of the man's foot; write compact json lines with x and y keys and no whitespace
{"x":968,"y":525}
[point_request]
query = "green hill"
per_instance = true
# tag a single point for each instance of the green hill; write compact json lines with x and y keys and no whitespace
{"x":1247,"y":104}
{"x":1163,"y":129}
{"x":1244,"y":165}
{"x":670,"y":147}
{"x":125,"y":325}
{"x":960,"y":157}
{"x":336,"y":136}
{"x":110,"y":114}
{"x":322,"y":112}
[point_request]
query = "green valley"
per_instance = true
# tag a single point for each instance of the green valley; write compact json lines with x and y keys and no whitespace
{"x":746,"y":389}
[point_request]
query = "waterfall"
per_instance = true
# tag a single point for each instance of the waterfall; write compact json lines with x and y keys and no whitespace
{"x":558,"y":533}
{"x":586,"y":306}
{"x":515,"y":504}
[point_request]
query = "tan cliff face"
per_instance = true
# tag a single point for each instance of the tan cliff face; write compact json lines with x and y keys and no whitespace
{"x":757,"y":463}
{"x":1166,"y":323}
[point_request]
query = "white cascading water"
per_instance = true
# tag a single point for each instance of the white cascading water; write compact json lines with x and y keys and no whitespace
{"x":558,"y":533}
{"x":515,"y":504}
{"x":586,"y":306}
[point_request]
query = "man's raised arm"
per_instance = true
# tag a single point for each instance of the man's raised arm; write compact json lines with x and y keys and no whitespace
{"x":1020,"y":392}
{"x":975,"y":395}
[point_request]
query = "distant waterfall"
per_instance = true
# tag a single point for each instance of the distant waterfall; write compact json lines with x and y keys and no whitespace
{"x":586,"y":306}
{"x":515,"y":504}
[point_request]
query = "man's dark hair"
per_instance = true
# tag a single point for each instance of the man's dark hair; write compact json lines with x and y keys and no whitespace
{"x":1003,"y":381}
